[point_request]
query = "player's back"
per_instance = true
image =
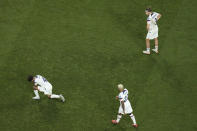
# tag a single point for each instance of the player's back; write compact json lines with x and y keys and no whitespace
{"x":40,"y":80}
{"x":152,"y":20}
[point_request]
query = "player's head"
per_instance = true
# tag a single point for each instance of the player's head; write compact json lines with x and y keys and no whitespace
{"x":30,"y":78}
{"x":120,"y":87}
{"x":148,"y":11}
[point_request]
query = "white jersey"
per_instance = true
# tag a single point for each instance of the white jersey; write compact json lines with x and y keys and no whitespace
{"x":152,"y":20}
{"x":123,"y":96}
{"x":40,"y":81}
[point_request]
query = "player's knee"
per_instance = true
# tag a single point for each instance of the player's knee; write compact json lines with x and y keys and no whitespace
{"x":49,"y":96}
{"x":131,"y":114}
{"x":35,"y":87}
{"x":120,"y":114}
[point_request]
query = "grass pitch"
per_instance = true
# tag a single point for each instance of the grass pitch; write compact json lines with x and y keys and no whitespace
{"x":85,"y":48}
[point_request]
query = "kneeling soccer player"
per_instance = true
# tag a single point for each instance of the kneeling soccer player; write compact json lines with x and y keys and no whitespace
{"x":125,"y":106}
{"x":42,"y":85}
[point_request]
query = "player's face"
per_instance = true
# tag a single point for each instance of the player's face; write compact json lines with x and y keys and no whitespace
{"x":120,"y":89}
{"x":147,"y":13}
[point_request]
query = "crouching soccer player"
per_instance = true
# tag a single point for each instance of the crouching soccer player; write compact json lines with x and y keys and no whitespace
{"x":42,"y":85}
{"x":152,"y":29}
{"x":125,"y":106}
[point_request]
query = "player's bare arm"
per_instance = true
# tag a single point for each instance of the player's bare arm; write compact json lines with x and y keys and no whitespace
{"x":123,"y":106}
{"x":158,"y":17}
{"x":148,"y":26}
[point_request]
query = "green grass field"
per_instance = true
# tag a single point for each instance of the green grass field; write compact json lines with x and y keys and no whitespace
{"x":85,"y":48}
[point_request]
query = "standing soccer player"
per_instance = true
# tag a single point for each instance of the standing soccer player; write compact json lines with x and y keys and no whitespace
{"x":125,"y":106}
{"x":41,"y":84}
{"x":152,"y":29}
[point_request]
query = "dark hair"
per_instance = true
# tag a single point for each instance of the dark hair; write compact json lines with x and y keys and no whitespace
{"x":30,"y":78}
{"x":149,"y":9}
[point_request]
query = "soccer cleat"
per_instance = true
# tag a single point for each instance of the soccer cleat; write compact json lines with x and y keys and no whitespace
{"x":114,"y":122}
{"x":155,"y":50}
{"x":36,"y":98}
{"x":135,"y":125}
{"x":146,"y":52}
{"x":62,"y":98}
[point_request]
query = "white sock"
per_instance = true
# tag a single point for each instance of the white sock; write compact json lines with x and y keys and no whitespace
{"x":148,"y":49}
{"x":36,"y":93}
{"x":133,"y":118}
{"x":156,"y":47}
{"x":118,"y":118}
{"x":55,"y":96}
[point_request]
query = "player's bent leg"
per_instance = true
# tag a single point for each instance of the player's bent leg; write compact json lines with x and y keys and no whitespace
{"x":62,"y":98}
{"x":48,"y":92}
{"x":133,"y":119}
{"x":147,"y":51}
{"x":54,"y":96}
{"x":36,"y":97}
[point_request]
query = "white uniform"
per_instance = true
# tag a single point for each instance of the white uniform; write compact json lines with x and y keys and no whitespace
{"x":43,"y":85}
{"x":153,"y":31}
{"x":123,"y":96}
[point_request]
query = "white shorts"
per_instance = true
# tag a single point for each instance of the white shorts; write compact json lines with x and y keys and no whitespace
{"x":152,"y":34}
{"x":128,"y":108}
{"x":46,"y":89}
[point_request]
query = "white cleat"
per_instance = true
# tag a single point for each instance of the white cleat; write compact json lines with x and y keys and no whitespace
{"x":36,"y":98}
{"x":62,"y":98}
{"x":155,"y":50}
{"x":146,"y":52}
